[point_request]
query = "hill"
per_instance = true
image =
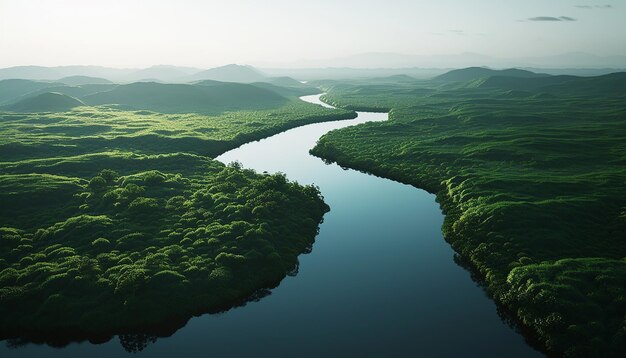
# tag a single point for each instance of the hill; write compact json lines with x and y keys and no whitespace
{"x":46,"y":102}
{"x":73,"y":91}
{"x":14,"y":88}
{"x":162,"y":73}
{"x":287,"y":91}
{"x":287,"y":86}
{"x":83,"y":80}
{"x":285,"y":81}
{"x":30,"y":73}
{"x":230,"y":73}
{"x":393,"y":79}
{"x":474,"y":73}
{"x":613,"y":85}
{"x":202,"y":97}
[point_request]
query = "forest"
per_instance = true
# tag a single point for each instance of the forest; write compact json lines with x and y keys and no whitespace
{"x":530,"y":173}
{"x":116,"y":219}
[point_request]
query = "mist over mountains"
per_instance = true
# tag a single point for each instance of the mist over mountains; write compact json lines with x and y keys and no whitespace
{"x":359,"y":65}
{"x":397,"y":60}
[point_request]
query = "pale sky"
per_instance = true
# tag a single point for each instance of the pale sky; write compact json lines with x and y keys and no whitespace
{"x":136,"y":33}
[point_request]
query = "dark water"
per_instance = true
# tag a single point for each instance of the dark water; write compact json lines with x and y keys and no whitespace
{"x":381,"y":281}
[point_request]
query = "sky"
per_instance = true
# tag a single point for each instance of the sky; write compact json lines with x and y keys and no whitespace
{"x":140,"y":33}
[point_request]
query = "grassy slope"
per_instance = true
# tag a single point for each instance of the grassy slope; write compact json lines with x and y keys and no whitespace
{"x":46,"y":102}
{"x":534,"y":192}
{"x":92,"y":129}
{"x":102,"y":211}
{"x":202,"y":97}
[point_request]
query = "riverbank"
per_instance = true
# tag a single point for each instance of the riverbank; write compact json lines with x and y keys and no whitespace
{"x":135,"y":233}
{"x":521,"y":205}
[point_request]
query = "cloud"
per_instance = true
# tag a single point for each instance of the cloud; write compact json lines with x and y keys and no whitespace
{"x":551,"y":18}
{"x":589,"y":7}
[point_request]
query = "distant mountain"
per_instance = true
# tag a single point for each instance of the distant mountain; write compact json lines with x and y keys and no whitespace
{"x":379,"y":60}
{"x":112,"y":74}
{"x":73,"y":91}
{"x":55,"y":73}
{"x":287,"y":91}
{"x":30,"y":73}
{"x":394,"y":79}
{"x":572,"y":60}
{"x":474,"y":73}
{"x":46,"y":102}
{"x":312,"y":74}
{"x":230,"y":73}
{"x":284,"y":81}
{"x":162,"y":73}
{"x":588,"y":72}
{"x":11,"y":89}
{"x":611,"y":85}
{"x":389,"y":60}
{"x":202,"y":97}
{"x":83,"y":80}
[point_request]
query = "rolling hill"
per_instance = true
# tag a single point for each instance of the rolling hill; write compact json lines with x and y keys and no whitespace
{"x":73,"y":91}
{"x":474,"y":73}
{"x":201,"y":97}
{"x":46,"y":102}
{"x":83,"y":80}
{"x":30,"y":73}
{"x":287,"y":86}
{"x":285,"y":81}
{"x":287,"y":91}
{"x":230,"y":73}
{"x":14,"y":88}
{"x":612,"y":85}
{"x":161,"y":73}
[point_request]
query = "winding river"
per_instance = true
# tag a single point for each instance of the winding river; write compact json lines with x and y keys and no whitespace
{"x":380,"y":282}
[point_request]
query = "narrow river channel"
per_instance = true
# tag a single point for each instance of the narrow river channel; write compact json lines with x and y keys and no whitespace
{"x":380,"y":281}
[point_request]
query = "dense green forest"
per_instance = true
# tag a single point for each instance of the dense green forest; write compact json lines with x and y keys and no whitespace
{"x":116,"y":221}
{"x":530,"y":172}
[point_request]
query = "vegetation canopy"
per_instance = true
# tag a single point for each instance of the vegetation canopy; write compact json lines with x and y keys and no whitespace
{"x":532,"y":181}
{"x":115,"y":221}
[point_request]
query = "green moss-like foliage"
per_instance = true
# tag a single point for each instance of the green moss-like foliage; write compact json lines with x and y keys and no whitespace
{"x":138,"y":249}
{"x":119,"y":222}
{"x":533,"y":188}
{"x":46,"y":102}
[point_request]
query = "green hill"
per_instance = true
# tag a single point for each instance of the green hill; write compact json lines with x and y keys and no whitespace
{"x":287,"y":91}
{"x":161,"y":73}
{"x":474,"y":73}
{"x":30,"y":72}
{"x":73,"y":91}
{"x":394,"y":79}
{"x":230,"y":73}
{"x":83,"y":80}
{"x":14,"y":88}
{"x":285,"y":81}
{"x":612,"y":85}
{"x":287,"y":86}
{"x":46,"y":102}
{"x":201,"y":97}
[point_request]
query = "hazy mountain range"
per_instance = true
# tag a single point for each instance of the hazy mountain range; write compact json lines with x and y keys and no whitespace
{"x":160,"y":73}
{"x":361,"y":65}
{"x":397,"y":60}
{"x":210,"y":96}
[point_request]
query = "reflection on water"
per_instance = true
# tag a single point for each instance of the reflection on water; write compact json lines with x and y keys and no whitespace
{"x":379,"y":281}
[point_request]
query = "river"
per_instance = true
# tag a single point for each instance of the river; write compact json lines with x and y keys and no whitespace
{"x":380,"y":281}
